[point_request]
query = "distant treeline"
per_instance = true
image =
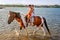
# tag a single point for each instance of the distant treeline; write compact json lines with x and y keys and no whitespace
{"x":39,"y":6}
{"x":48,"y":6}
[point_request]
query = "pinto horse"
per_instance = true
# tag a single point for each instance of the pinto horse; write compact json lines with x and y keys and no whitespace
{"x":38,"y":21}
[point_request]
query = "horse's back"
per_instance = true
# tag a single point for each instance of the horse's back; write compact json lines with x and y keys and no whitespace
{"x":37,"y":20}
{"x":37,"y":17}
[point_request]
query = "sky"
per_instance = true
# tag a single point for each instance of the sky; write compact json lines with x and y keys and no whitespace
{"x":27,"y":2}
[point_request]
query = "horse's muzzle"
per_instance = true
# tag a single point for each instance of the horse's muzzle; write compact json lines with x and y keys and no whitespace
{"x":20,"y":28}
{"x":9,"y":22}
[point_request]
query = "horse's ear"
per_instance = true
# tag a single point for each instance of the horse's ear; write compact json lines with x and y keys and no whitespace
{"x":10,"y":12}
{"x":19,"y":13}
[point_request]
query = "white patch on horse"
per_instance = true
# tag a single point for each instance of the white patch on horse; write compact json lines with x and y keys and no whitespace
{"x":41,"y":20}
{"x":23,"y":19}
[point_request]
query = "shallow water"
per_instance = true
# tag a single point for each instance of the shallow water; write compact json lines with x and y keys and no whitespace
{"x":52,"y":16}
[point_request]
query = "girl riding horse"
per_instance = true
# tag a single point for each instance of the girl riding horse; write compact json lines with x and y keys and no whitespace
{"x":30,"y":14}
{"x":35,"y":20}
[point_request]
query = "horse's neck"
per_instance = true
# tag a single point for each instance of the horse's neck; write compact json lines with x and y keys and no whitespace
{"x":23,"y":19}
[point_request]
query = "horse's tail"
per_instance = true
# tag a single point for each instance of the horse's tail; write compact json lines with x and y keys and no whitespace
{"x":46,"y":25}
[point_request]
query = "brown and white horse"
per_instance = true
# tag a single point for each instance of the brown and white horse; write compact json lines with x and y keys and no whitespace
{"x":38,"y":21}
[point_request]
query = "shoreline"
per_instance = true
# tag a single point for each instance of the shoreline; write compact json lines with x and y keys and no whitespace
{"x":37,"y":6}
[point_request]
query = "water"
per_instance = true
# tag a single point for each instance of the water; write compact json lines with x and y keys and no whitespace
{"x":52,"y":16}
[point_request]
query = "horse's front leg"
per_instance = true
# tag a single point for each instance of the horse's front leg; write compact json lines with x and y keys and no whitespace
{"x":27,"y":22}
{"x":26,"y":31}
{"x":16,"y":32}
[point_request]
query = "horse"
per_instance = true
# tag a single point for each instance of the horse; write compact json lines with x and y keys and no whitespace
{"x":38,"y":21}
{"x":17,"y":17}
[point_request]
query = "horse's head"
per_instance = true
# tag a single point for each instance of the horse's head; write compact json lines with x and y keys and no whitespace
{"x":12,"y":16}
{"x":17,"y":16}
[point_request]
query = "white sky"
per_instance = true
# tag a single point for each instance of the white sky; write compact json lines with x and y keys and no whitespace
{"x":35,"y":2}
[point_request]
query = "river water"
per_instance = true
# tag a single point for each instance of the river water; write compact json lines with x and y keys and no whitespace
{"x":52,"y":16}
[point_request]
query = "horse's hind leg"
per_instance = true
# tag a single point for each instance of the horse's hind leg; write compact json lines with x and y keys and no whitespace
{"x":38,"y":30}
{"x":43,"y":30}
{"x":34,"y":32}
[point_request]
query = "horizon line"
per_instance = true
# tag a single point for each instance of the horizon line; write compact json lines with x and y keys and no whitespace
{"x":29,"y":4}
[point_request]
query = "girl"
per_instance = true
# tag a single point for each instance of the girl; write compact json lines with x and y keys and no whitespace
{"x":30,"y":14}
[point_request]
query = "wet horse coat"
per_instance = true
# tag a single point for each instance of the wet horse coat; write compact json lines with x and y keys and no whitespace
{"x":38,"y":21}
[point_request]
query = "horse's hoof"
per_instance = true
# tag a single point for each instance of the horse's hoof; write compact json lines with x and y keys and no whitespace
{"x":20,"y":28}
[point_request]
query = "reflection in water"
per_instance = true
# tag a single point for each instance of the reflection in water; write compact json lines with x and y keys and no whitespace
{"x":11,"y":35}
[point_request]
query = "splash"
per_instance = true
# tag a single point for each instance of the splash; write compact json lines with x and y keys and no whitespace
{"x":16,"y":32}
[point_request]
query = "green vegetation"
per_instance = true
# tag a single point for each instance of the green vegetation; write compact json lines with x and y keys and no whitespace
{"x":48,"y":6}
{"x":41,"y":6}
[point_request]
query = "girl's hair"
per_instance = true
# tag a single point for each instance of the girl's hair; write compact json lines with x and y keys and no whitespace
{"x":29,"y":5}
{"x":32,"y":5}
